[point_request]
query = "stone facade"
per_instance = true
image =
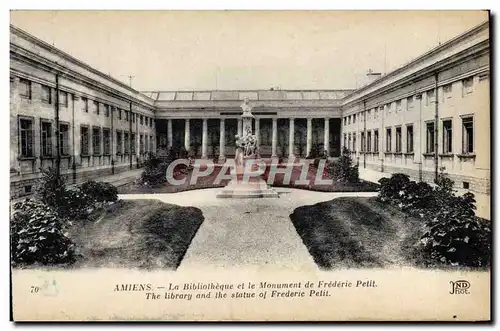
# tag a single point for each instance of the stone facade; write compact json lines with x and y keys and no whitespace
{"x":95,"y":111}
{"x":433,"y":112}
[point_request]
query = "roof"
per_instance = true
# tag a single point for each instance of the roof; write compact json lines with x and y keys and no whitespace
{"x":231,"y":95}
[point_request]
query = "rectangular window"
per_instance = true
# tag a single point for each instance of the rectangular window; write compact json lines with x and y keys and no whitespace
{"x":85,"y":102}
{"x":345,"y":139}
{"x":96,"y":141}
{"x":141,"y":120}
{"x":354,"y":119}
{"x":46,"y":139}
{"x":388,"y":140}
{"x":409,"y":139}
{"x":119,"y":114}
{"x":398,"y":139}
{"x":46,"y":94}
{"x":63,"y":98}
{"x":375,"y":141}
{"x":354,"y":146}
{"x":84,"y":140}
{"x":349,"y":120}
{"x":369,"y":141}
{"x":64,"y":139}
{"x":430,"y":137}
{"x":132,"y":138}
{"x":467,"y":84}
{"x":106,"y":110}
{"x":363,"y":141}
{"x":26,"y":139}
{"x":25,"y":88}
{"x":96,"y":107}
{"x":106,"y":138}
{"x":468,"y":135}
{"x":126,"y":115}
{"x":119,"y":143}
{"x":133,"y":117}
{"x":141,"y":144}
{"x":409,"y":103}
{"x":126,"y":142}
{"x":447,"y":137}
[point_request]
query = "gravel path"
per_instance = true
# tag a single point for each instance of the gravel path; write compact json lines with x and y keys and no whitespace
{"x":246,"y":232}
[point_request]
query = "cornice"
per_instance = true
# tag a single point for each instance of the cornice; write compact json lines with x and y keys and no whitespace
{"x":378,"y":85}
{"x":26,"y":55}
{"x":477,"y":50}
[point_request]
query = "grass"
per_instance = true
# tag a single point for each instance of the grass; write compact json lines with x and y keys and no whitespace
{"x":209,"y":182}
{"x":136,"y":234}
{"x":357,"y":233}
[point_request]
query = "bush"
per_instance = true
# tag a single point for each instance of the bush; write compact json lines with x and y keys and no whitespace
{"x":456,"y":236}
{"x":392,"y":189}
{"x":51,"y":188}
{"x":316,"y":152}
{"x":453,"y":234}
{"x":76,"y":204}
{"x":343,"y":170}
{"x":99,"y":191}
{"x":155,"y":169}
{"x":37,"y":235}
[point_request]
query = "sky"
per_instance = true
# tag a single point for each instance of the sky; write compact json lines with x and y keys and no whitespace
{"x":225,"y":50}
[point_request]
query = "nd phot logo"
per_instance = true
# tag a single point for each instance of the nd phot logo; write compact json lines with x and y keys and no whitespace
{"x":460,"y":287}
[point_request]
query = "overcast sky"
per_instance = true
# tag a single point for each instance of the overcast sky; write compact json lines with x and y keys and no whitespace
{"x":196,"y":50}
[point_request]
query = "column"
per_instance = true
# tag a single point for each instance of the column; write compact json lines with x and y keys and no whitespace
{"x":257,"y":130}
{"x":240,"y":127}
{"x":204,"y":139}
{"x":275,"y":137}
{"x":187,"y":142}
{"x":291,"y":137}
{"x":169,"y":133}
{"x":309,"y":136}
{"x":326,"y":139}
{"x":222,"y":138}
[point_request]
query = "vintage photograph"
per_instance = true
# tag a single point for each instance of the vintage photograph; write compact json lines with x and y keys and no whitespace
{"x":265,"y":158}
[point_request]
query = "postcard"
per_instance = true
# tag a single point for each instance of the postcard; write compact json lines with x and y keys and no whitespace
{"x":250,"y":165}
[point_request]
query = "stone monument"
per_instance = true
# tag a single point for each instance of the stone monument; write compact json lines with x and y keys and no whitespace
{"x":246,"y":161}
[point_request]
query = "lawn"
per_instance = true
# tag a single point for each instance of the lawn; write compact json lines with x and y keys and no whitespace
{"x":136,"y":234}
{"x":356,"y":233}
{"x":209,"y":181}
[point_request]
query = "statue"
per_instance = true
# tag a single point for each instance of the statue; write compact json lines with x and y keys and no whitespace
{"x":247,"y":183}
{"x":247,"y":109}
{"x":247,"y":143}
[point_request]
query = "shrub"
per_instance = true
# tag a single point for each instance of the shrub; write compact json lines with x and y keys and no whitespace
{"x":37,"y":235}
{"x":51,"y":188}
{"x":455,"y":236}
{"x":76,"y":204}
{"x":99,"y":191}
{"x":343,"y":170}
{"x":417,"y":197}
{"x":392,"y":189}
{"x":316,"y":152}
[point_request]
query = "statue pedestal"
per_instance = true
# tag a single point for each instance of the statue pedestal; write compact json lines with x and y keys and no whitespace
{"x":250,"y":187}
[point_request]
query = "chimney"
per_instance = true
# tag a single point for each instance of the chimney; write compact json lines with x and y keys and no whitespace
{"x":372,"y":76}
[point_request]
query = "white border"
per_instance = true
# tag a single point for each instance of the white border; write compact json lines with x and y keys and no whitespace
{"x":201,"y":5}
